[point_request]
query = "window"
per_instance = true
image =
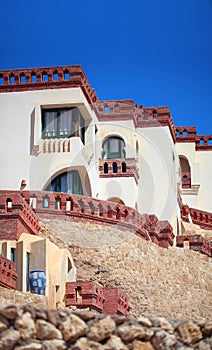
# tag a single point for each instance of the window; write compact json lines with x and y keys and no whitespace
{"x":113,"y":148}
{"x":63,"y":122}
{"x":12,"y":254}
{"x":68,"y":182}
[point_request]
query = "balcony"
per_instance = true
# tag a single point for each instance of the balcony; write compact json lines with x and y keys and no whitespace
{"x":186,"y":179}
{"x":118,"y":168}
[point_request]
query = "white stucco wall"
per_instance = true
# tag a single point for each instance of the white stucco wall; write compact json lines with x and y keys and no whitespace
{"x":157,"y":192}
{"x":201,"y":169}
{"x":20,"y":116}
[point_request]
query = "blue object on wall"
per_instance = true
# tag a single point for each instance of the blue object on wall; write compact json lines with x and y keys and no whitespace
{"x":37,"y":281}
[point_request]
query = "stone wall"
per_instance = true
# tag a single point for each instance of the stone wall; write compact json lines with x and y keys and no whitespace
{"x":23,"y":328}
{"x":174,"y":283}
{"x":8,"y":296}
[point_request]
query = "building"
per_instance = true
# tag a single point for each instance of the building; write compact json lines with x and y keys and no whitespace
{"x":56,"y":135}
{"x":65,"y":152}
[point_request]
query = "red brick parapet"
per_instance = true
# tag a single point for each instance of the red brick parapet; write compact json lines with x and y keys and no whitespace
{"x":85,"y":295}
{"x":46,"y":78}
{"x":188,"y":134}
{"x":16,"y":216}
{"x":185,"y":134}
{"x":203,"y":143}
{"x":196,"y":242}
{"x":142,"y":117}
{"x":118,"y":168}
{"x":116,"y":302}
{"x":92,"y":295}
{"x":199,"y":217}
{"x":54,"y":205}
{"x":8,"y":275}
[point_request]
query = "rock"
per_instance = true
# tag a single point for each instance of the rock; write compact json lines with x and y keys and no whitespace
{"x":47,"y":330}
{"x":207,"y":328}
{"x":163,"y":324}
{"x":8,"y":339}
{"x":116,"y":343}
{"x":31,"y":346}
{"x":54,"y":344}
{"x":25,"y":325}
{"x":144,"y":321}
{"x":51,"y":316}
{"x":10,"y":312}
{"x":41,"y":314}
{"x":119,"y":319}
{"x":102,"y":329}
{"x":73,"y":328}
{"x":138,"y":345}
{"x":163,"y":341}
{"x":84,"y":315}
{"x":86,"y":344}
{"x":130,"y":332}
{"x":203,"y":346}
{"x":188,"y":333}
{"x":4,"y":324}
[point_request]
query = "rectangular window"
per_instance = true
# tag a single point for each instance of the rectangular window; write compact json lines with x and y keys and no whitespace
{"x":62,"y":123}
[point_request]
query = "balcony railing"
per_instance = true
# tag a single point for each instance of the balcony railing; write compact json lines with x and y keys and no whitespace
{"x":186,"y":179}
{"x":119,"y":168}
{"x":8,"y":275}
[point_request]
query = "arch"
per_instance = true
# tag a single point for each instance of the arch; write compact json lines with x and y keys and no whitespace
{"x":79,"y":175}
{"x":123,"y":167}
{"x":113,"y":147}
{"x":116,"y":200}
{"x":115,"y":168}
{"x":105,"y":168}
{"x":67,"y":182}
{"x":185,"y":172}
{"x":184,"y":164}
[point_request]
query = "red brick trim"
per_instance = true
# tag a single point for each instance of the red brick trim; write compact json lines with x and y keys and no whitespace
{"x":75,"y":78}
{"x":196,"y":242}
{"x":92,"y":295}
{"x":8,"y":275}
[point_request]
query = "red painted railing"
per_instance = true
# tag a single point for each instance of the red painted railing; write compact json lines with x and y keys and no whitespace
{"x":76,"y":207}
{"x":16,"y":215}
{"x":186,"y":179}
{"x":199,"y":217}
{"x":8,"y":275}
{"x":196,"y":242}
{"x":118,"y":168}
{"x":46,"y":78}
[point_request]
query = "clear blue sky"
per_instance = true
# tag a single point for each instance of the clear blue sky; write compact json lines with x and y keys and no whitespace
{"x":155,"y":52}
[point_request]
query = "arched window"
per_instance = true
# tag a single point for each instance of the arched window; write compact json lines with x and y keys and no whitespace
{"x":68,"y":182}
{"x":113,"y":148}
{"x":185,"y":172}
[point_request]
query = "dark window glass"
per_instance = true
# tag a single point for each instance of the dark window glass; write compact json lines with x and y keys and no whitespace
{"x":68,"y":182}
{"x":63,"y":122}
{"x":113,"y":148}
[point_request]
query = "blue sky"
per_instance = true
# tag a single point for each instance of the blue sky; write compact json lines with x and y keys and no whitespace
{"x":155,"y":52}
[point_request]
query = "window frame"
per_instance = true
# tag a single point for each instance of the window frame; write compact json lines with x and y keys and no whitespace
{"x":107,"y":148}
{"x":77,"y":123}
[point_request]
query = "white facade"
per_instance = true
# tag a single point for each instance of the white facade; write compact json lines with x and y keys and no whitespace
{"x":27,"y":154}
